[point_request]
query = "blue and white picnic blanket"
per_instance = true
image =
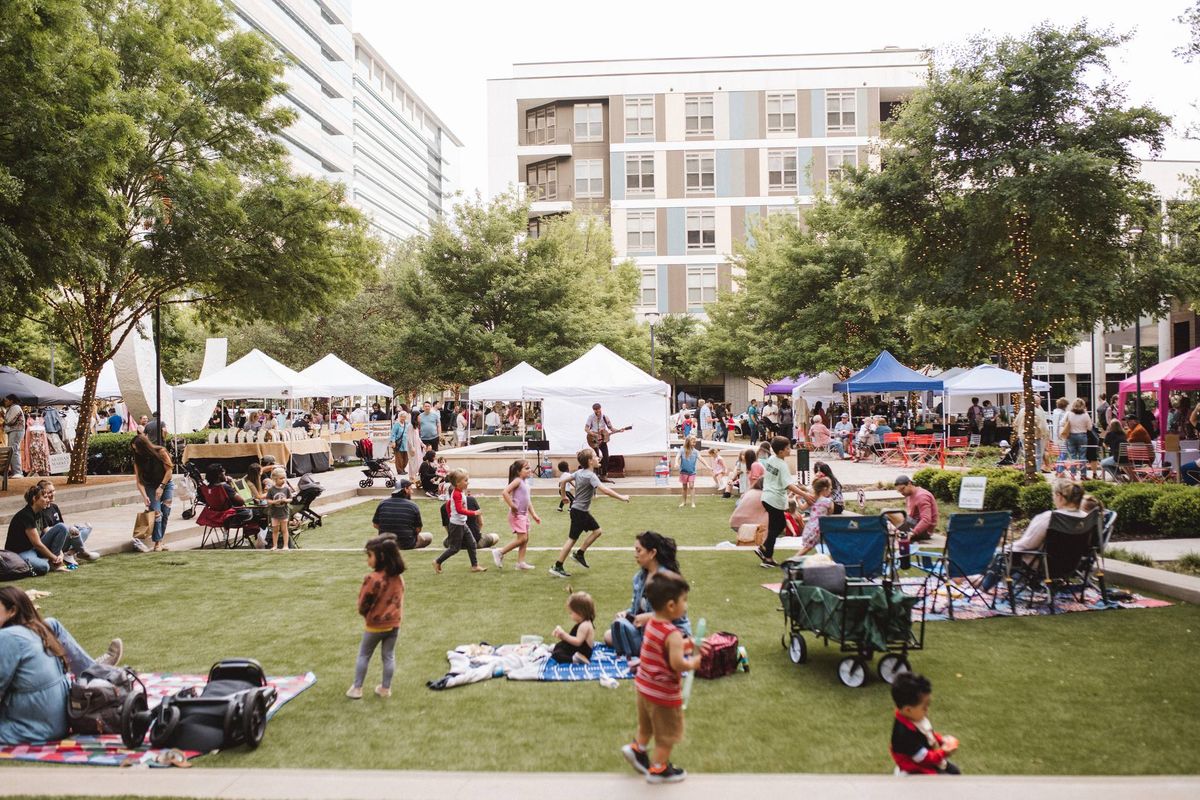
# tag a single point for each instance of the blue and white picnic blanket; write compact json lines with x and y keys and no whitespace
{"x":473,"y":663}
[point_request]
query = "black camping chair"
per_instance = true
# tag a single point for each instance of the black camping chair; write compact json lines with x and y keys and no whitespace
{"x":1069,"y":555}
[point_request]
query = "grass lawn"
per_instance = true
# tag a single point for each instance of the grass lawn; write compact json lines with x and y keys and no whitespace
{"x":1031,"y":695}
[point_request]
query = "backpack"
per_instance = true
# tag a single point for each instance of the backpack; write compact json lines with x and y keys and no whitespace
{"x":13,"y":567}
{"x":720,"y":658}
{"x":96,"y":699}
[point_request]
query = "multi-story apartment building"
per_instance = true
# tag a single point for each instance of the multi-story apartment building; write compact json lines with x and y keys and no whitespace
{"x":357,"y":121}
{"x":683,"y":154}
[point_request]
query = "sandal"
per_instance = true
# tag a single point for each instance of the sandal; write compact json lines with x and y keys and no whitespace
{"x":173,"y":758}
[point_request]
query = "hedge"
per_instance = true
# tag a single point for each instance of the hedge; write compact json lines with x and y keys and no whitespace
{"x":1142,"y":508}
{"x":109,"y":453}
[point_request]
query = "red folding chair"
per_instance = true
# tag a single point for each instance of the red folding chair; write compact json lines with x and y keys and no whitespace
{"x":892,"y":451}
{"x":956,"y":447}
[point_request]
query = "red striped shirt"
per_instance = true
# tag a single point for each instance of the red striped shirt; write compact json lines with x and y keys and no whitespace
{"x":656,"y":680}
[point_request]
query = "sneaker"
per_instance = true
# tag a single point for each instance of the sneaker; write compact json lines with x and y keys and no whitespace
{"x":636,"y":758}
{"x":762,"y":554}
{"x":70,"y":561}
{"x":382,"y":691}
{"x":524,"y":565}
{"x":89,"y":555}
{"x":354,"y":693}
{"x":112,"y":656}
{"x":558,"y":572}
{"x":668,"y":774}
{"x":578,"y":556}
{"x":769,"y":563}
{"x":498,"y":557}
{"x":141,"y":546}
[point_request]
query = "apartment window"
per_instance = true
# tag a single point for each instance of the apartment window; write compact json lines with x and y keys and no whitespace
{"x":698,"y":172}
{"x":640,"y":230}
{"x":648,"y":294}
{"x":541,"y":181}
{"x":840,"y":112}
{"x":701,"y":229}
{"x":837,"y":159}
{"x":589,"y":178}
{"x":701,"y":284}
{"x":639,"y":173}
{"x":781,"y":169}
{"x":781,"y":113}
{"x":639,"y":117}
{"x":589,"y":122}
{"x":539,"y":125}
{"x":698,"y":114}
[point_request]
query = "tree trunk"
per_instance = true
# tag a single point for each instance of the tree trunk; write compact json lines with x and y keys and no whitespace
{"x":83,"y":430}
{"x":1032,"y":470}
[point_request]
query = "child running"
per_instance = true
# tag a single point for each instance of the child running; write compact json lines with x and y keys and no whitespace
{"x":916,"y":747}
{"x":659,"y":692}
{"x":576,"y":647}
{"x":566,"y":479}
{"x":520,"y":509}
{"x":777,"y":484}
{"x":458,"y":534}
{"x":686,"y":459}
{"x":821,"y":505}
{"x":381,"y":603}
{"x":720,"y":472}
{"x":278,"y":496}
{"x":582,"y":521}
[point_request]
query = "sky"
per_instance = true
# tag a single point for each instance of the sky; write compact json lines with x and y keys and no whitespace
{"x":447,"y":52}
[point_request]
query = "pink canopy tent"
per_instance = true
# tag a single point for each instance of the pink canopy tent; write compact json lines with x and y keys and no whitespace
{"x":1179,"y":374}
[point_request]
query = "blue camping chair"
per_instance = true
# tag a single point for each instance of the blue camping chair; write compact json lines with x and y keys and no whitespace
{"x":859,"y":544}
{"x":971,"y":544}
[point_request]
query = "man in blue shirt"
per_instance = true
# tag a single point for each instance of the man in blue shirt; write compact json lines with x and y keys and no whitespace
{"x":114,"y":421}
{"x":429,"y":423}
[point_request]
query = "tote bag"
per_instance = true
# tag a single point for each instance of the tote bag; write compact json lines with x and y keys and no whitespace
{"x":143,"y":525}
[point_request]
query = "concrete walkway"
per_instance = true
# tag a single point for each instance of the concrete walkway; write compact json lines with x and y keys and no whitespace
{"x":299,"y":784}
{"x":1161,"y":549}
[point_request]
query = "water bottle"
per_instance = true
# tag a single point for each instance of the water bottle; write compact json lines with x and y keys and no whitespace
{"x":905,"y":560}
{"x":743,"y":659}
{"x":662,"y":472}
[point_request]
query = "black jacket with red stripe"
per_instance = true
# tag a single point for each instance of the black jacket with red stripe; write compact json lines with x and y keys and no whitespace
{"x":911,"y":750}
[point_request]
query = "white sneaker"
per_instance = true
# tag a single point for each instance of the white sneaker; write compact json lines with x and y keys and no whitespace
{"x":498,"y":557}
{"x":524,"y":565}
{"x":89,"y":555}
{"x":141,"y":546}
{"x":354,"y":693}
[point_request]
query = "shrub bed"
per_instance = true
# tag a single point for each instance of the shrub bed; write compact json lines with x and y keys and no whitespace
{"x":109,"y":453}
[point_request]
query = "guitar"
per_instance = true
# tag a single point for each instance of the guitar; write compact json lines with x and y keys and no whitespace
{"x":595,"y":439}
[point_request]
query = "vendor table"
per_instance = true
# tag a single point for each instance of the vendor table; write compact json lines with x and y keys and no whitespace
{"x":299,"y":455}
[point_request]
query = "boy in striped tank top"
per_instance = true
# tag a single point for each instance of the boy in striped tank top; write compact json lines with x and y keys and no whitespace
{"x":665,"y":654}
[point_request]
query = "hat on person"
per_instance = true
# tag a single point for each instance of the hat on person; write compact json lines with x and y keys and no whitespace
{"x":902,"y":480}
{"x":401,"y":485}
{"x":845,"y":416}
{"x":1004,"y":443}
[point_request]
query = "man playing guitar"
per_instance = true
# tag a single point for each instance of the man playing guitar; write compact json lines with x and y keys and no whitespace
{"x":598,"y":429}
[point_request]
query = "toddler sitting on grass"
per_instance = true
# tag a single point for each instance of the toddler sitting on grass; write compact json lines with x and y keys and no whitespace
{"x":576,"y":647}
{"x":916,"y":747}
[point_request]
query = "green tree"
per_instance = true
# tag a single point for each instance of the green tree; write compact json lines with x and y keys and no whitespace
{"x":478,"y":296}
{"x":678,"y":339}
{"x":140,"y":137}
{"x":1010,"y":183}
{"x":804,"y":305}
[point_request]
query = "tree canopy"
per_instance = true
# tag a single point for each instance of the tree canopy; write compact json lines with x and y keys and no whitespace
{"x":139,"y":165}
{"x":479,"y":295}
{"x":1010,"y":183}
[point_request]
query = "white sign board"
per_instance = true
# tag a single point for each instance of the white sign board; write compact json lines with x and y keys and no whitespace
{"x":60,"y":463}
{"x":970,"y":494}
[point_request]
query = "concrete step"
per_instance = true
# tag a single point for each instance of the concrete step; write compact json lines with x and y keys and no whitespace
{"x":1150,"y":579}
{"x":76,"y":509}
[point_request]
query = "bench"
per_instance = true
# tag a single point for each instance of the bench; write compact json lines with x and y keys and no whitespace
{"x":5,"y":463}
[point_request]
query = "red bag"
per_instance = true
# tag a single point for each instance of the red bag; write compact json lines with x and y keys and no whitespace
{"x":719,"y":656}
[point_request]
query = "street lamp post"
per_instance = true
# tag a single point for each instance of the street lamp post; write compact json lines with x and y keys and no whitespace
{"x":652,"y":318}
{"x":1137,"y":354}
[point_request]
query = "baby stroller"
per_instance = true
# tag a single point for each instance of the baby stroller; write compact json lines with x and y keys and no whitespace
{"x":307,"y":490}
{"x":231,"y":709}
{"x":373,"y":467}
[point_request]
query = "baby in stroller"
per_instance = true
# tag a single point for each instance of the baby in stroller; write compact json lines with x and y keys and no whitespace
{"x":373,"y":467}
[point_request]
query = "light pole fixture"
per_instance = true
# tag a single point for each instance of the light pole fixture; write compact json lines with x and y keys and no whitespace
{"x":652,"y":318}
{"x":1137,"y":352}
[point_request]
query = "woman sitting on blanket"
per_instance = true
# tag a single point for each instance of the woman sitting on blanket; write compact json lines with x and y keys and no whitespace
{"x":36,"y":656}
{"x":654,"y":553}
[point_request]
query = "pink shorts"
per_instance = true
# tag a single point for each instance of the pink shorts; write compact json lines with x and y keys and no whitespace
{"x":687,"y":480}
{"x":518,"y":523}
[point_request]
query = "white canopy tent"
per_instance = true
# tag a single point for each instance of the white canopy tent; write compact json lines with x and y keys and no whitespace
{"x":344,"y":380}
{"x":506,"y":386}
{"x":106,"y":388}
{"x":818,"y":387}
{"x":255,"y":374}
{"x":986,"y":380}
{"x":629,"y":396}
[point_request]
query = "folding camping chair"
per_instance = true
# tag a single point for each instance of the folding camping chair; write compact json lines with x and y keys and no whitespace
{"x":1066,"y":561}
{"x":971,"y":544}
{"x":860,"y":544}
{"x":221,"y":523}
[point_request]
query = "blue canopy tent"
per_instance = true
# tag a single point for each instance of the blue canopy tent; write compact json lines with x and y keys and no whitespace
{"x":886,"y":374}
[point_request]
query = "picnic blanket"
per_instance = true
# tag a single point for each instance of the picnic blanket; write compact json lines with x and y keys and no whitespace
{"x":473,"y":663}
{"x":976,"y":608}
{"x":108,"y":750}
